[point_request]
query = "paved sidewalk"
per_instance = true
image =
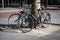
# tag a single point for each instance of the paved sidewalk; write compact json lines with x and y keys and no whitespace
{"x":50,"y":33}
{"x":55,"y":17}
{"x":53,"y":7}
{"x":9,"y":10}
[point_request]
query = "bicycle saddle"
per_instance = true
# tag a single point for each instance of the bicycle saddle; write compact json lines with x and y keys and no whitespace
{"x":22,"y":12}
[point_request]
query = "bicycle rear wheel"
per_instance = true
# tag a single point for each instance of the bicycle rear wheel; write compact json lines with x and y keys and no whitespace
{"x":26,"y":24}
{"x":12,"y":20}
{"x":45,"y":20}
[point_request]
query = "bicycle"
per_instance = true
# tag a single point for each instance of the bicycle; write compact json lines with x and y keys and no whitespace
{"x":27,"y":21}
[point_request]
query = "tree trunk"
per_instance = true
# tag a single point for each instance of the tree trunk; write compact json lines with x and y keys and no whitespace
{"x":35,"y":7}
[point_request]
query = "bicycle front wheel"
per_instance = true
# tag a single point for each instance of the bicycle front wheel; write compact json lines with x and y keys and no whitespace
{"x":26,"y":24}
{"x":12,"y":20}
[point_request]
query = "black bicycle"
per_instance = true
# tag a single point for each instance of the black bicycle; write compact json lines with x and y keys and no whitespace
{"x":26,"y":20}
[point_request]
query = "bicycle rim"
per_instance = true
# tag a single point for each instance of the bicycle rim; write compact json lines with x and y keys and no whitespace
{"x":46,"y":20}
{"x":11,"y":20}
{"x":27,"y":24}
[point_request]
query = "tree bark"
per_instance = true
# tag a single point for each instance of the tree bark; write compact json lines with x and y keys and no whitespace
{"x":35,"y":7}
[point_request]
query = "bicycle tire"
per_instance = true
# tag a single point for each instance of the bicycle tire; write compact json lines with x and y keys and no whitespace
{"x":28,"y":26}
{"x":11,"y":20}
{"x":45,"y":20}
